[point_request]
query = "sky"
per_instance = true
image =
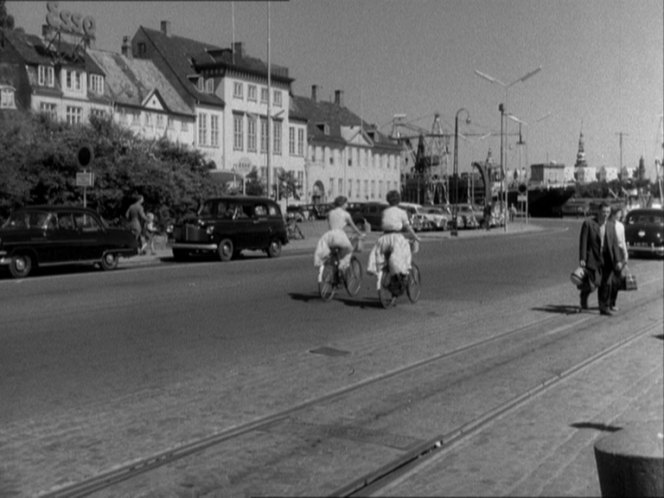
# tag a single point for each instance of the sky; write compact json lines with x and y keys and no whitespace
{"x":602,"y":64}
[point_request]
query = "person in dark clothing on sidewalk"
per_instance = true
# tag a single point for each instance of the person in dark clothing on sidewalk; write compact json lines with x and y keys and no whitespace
{"x":601,"y":257}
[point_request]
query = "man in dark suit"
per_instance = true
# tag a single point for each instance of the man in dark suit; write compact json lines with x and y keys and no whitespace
{"x":600,"y":255}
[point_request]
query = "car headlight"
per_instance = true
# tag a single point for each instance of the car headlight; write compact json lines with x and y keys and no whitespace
{"x":169,"y":229}
{"x":209,"y":230}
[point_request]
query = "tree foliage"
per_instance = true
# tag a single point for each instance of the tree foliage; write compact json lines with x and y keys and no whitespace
{"x":6,"y":20}
{"x":39,"y":166}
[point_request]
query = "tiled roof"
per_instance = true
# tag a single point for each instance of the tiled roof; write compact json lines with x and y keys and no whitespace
{"x":334,"y":116}
{"x":130,"y":81}
{"x":241,"y":62}
{"x":29,"y":47}
{"x":178,"y":52}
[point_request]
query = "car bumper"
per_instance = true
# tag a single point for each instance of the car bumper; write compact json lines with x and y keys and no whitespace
{"x":646,"y":249}
{"x":190,"y":246}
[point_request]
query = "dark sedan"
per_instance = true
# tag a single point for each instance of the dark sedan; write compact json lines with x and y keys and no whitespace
{"x":40,"y":236}
{"x":644,"y":231}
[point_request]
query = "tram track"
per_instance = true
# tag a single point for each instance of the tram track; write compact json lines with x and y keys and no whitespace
{"x":550,"y":325}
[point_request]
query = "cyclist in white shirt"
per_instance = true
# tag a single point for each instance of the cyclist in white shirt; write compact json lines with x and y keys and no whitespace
{"x":394,"y":222}
{"x":338,"y":219}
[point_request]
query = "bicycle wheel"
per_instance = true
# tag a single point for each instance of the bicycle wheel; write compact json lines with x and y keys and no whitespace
{"x":413,"y":288}
{"x":385,"y":296}
{"x":353,"y":277}
{"x":327,"y":287}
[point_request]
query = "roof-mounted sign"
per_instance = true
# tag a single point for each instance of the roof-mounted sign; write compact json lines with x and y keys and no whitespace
{"x":70,"y":22}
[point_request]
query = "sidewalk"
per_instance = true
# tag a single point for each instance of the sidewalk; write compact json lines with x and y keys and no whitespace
{"x":546,"y":447}
{"x":312,"y":231}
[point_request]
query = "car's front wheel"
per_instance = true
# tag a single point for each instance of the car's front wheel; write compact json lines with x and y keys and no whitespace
{"x":109,"y":261}
{"x":225,"y":249}
{"x":274,"y":249}
{"x":20,"y":265}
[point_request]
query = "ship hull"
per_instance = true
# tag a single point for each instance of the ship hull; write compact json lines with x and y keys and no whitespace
{"x":544,"y":202}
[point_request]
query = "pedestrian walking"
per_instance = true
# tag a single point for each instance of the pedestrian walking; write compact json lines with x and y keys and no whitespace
{"x":601,"y":257}
{"x":136,"y":216}
{"x":618,"y":215}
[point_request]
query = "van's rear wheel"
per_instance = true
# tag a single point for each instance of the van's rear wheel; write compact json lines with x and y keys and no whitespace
{"x":225,"y":249}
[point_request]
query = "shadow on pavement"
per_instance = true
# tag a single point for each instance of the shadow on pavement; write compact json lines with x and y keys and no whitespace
{"x":596,"y":426}
{"x":565,"y":309}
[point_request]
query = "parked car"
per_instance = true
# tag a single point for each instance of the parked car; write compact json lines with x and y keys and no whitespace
{"x":465,"y":216}
{"x":417,"y":219}
{"x":317,"y":211}
{"x":41,"y":236}
{"x":437,"y":217}
{"x":369,"y":212}
{"x":225,"y":226}
{"x":644,"y":231}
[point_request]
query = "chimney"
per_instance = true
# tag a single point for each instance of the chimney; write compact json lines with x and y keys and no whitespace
{"x":126,"y":47}
{"x":339,"y":98}
{"x":238,"y":51}
{"x":314,"y":93}
{"x":166,"y":27}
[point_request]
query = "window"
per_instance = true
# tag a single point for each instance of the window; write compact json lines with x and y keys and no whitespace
{"x":300,"y":142}
{"x":214,"y":130}
{"x":46,"y":76}
{"x":263,"y":134}
{"x":340,"y":186}
{"x":251,"y":133}
{"x":278,"y":125}
{"x":77,"y":80}
{"x":209,"y":85}
{"x":148,"y":119}
{"x":48,"y":108}
{"x":202,"y":129}
{"x":291,"y":141}
{"x":68,"y":84}
{"x":264,"y":94}
{"x":74,"y":114}
{"x":99,"y":113}
{"x":238,"y":132}
{"x":277,"y":98}
{"x":184,"y":126}
{"x":331,"y":186}
{"x":97,"y":84}
{"x":160,"y":120}
{"x":142,"y":49}
{"x":7,"y":97}
{"x":237,"y":90}
{"x":200,"y":84}
{"x":169,"y":123}
{"x":252,"y":93}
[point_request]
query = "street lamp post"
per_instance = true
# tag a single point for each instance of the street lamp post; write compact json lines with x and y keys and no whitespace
{"x":455,"y":207}
{"x":503,"y":188}
{"x":502,"y":107}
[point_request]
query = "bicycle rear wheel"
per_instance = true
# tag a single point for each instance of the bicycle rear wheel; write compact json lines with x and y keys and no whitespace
{"x":353,"y":277}
{"x":413,"y":288}
{"x":327,"y":287}
{"x":385,"y":296}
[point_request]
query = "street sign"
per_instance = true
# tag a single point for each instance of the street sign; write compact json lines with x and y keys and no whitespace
{"x":522,"y":198}
{"x":85,"y":179}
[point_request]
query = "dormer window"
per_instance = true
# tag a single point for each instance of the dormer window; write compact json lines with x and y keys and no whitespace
{"x":200,"y":84}
{"x":46,"y":76}
{"x":237,"y":90}
{"x":97,"y":84}
{"x":324,"y":127}
{"x":209,"y":85}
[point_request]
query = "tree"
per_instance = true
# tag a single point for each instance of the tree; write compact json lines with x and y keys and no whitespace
{"x":253,"y":184}
{"x":39,"y":166}
{"x":6,"y":20}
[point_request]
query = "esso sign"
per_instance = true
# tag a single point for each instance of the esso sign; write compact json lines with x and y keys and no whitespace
{"x":70,"y":22}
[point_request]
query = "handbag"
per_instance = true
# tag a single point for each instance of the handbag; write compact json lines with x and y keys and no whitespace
{"x":578,"y":276}
{"x":627,"y":280}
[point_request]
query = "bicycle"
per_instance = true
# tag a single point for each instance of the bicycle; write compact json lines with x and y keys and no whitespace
{"x":333,"y":277}
{"x":293,"y":229}
{"x":394,"y":286}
